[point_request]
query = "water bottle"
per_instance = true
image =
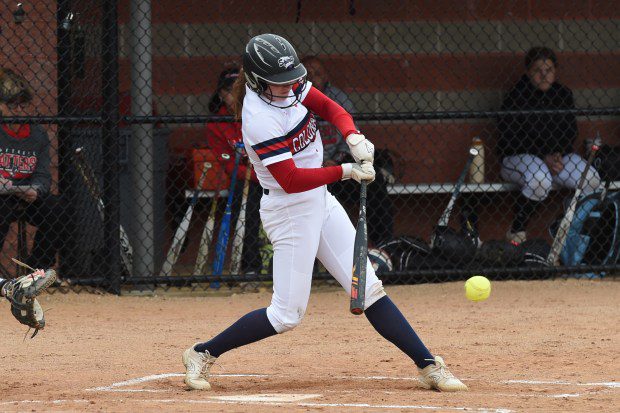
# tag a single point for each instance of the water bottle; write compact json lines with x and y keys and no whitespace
{"x":476,"y":170}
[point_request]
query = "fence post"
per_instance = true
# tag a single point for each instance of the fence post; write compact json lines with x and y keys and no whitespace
{"x":110,"y":136}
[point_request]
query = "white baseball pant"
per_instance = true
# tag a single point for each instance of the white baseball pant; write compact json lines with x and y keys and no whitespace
{"x":303,"y":226}
{"x":536,"y":181}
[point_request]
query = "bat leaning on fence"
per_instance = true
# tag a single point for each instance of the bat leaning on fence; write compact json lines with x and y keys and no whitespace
{"x":207,"y":233}
{"x":181,"y":233}
{"x":567,"y":220}
{"x":445,"y":217}
{"x":360,"y":258}
{"x":224,"y":233}
{"x":92,"y":184}
{"x":237,"y":245}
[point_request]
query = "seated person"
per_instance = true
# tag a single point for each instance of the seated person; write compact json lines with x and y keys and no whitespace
{"x":222,"y":137}
{"x":24,"y":165}
{"x":536,"y":150}
{"x":380,"y":209}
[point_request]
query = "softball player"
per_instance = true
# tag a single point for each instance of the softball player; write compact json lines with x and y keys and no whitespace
{"x":301,"y":218}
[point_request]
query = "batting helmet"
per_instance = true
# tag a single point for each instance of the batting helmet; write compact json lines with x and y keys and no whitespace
{"x":500,"y":253}
{"x":452,"y":246}
{"x":536,"y":252}
{"x":397,"y":248}
{"x":380,"y":260}
{"x":271,"y":59}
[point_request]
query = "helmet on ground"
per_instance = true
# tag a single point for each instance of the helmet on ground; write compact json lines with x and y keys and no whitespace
{"x":271,"y":59}
{"x":500,"y":253}
{"x":536,"y":252}
{"x":380,"y":260}
{"x":452,"y":246}
{"x":398,"y":247}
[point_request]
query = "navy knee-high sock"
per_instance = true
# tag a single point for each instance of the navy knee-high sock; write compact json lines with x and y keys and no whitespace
{"x":387,"y":319}
{"x":251,"y":327}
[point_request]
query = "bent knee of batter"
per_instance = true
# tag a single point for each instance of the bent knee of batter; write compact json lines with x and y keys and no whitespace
{"x":374,"y":294}
{"x":284,"y":320}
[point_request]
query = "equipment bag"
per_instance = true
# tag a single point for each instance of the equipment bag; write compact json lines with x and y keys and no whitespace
{"x":594,"y":235}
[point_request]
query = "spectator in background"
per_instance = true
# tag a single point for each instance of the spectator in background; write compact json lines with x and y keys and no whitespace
{"x":25,"y":177}
{"x":536,"y":150}
{"x":335,"y":151}
{"x":222,"y":137}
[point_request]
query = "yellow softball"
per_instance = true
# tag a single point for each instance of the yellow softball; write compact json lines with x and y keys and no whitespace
{"x":477,"y":288}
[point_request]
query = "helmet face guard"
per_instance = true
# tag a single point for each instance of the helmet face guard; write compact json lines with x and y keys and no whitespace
{"x":270,"y":59}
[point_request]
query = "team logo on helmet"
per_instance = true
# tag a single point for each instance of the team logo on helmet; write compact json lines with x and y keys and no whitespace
{"x":286,"y":62}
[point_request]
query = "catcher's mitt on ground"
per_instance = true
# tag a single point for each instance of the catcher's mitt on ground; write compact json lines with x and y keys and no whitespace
{"x":22,"y":293}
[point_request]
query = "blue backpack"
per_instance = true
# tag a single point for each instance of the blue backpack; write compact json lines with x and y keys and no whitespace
{"x":594,"y":235}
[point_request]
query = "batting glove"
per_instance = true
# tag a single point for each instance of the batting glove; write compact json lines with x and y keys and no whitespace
{"x":363,"y":172}
{"x":361,"y":148}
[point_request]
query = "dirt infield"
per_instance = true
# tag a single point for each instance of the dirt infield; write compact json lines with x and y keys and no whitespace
{"x":533,"y":346}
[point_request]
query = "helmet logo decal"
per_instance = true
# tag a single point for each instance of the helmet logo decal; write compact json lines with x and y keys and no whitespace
{"x":286,"y":62}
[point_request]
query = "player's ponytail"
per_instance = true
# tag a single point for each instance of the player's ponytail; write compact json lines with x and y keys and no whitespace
{"x":238,"y":92}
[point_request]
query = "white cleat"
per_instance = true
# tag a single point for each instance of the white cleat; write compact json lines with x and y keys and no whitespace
{"x":197,"y":366}
{"x":437,"y":376}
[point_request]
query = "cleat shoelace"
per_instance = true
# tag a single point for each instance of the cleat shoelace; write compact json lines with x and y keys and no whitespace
{"x":208,"y":361}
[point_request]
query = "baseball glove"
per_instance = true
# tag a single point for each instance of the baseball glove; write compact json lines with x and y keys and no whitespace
{"x":22,"y":293}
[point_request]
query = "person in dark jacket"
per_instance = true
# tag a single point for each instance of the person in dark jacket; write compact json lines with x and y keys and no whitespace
{"x":536,"y":149}
{"x":25,"y":177}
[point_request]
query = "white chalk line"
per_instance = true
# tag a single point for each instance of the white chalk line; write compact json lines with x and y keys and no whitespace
{"x":610,"y":384}
{"x":114,"y":386}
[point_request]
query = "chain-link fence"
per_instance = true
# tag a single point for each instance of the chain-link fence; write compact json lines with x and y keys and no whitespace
{"x":118,"y":161}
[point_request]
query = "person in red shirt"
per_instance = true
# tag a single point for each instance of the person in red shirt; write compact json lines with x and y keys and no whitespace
{"x":222,"y":138}
{"x":25,"y":177}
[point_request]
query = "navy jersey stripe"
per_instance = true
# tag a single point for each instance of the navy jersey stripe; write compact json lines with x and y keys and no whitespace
{"x":266,"y":155}
{"x":270,"y":142}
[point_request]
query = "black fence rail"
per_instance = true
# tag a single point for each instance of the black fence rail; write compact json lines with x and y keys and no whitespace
{"x":117,"y":138}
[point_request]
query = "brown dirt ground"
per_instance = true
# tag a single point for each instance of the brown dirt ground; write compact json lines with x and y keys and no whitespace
{"x":562,"y":337}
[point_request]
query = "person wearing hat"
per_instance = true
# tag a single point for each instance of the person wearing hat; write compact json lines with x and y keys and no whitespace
{"x":25,"y":177}
{"x":222,"y":138}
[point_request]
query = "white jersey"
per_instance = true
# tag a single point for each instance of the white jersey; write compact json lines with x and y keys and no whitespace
{"x":272,"y":134}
